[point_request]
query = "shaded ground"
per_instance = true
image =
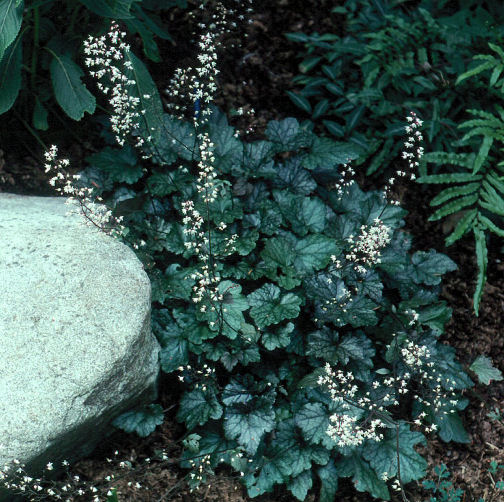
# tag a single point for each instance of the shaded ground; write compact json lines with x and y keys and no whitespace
{"x":257,"y":76}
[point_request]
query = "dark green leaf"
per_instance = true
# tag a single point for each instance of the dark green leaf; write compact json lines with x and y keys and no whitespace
{"x":382,"y":455}
{"x":229,"y":320}
{"x":313,"y":420}
{"x":363,"y":475}
{"x":11,"y":16}
{"x":119,"y":163}
{"x":281,"y":337}
{"x":300,"y":101}
{"x":198,"y":406}
{"x":151,"y":123}
{"x":115,"y":9}
{"x":328,"y":482}
{"x":71,"y":94}
{"x":430,"y":266}
{"x":327,"y":154}
{"x":248,"y":424}
{"x":483,"y":368}
{"x":174,"y":346}
{"x":270,"y":307}
{"x":143,"y":421}
{"x":451,"y":428}
{"x":10,"y":73}
{"x":300,"y":485}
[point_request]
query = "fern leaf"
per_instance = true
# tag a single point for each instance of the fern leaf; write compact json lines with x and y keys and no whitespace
{"x":454,"y":206}
{"x":482,"y":131}
{"x":491,"y":225}
{"x":450,"y":193}
{"x":492,"y":200}
{"x":490,"y":207}
{"x":496,"y":182}
{"x":462,"y":226}
{"x":497,"y":49}
{"x":456,"y":159}
{"x":486,"y":144}
{"x":482,"y":260}
{"x":482,"y":67}
{"x":500,"y":111}
{"x":481,"y":113}
{"x":449,"y":178}
{"x":496,"y":73}
{"x":485,"y":57}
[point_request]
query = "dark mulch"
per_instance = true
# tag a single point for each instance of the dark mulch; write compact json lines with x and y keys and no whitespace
{"x":257,"y":76}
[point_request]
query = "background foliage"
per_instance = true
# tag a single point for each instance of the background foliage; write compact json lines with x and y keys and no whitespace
{"x":389,"y":58}
{"x":40,"y":51}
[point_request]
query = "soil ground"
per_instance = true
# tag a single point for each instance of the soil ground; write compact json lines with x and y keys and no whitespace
{"x":257,"y":76}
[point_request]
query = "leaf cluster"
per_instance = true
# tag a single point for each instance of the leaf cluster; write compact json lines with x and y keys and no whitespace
{"x":475,"y":195}
{"x":385,"y":59}
{"x":40,"y":51}
{"x":286,"y":309}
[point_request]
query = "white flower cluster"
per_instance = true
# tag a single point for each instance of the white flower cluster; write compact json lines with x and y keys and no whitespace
{"x":14,"y":478}
{"x":94,"y":214}
{"x":346,"y":180}
{"x":412,"y":154}
{"x":206,"y":175}
{"x":205,"y":373}
{"x":417,"y":358}
{"x":196,"y":86}
{"x":110,"y":68}
{"x":344,"y":428}
{"x":366,"y":250}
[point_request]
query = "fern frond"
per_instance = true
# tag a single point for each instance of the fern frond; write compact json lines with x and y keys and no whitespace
{"x":450,"y":193}
{"x":482,"y":260}
{"x":462,"y":226}
{"x":486,"y":144}
{"x":496,"y":73}
{"x":497,"y":183}
{"x":492,"y":200}
{"x":491,"y":225}
{"x":449,"y":178}
{"x":485,"y":57}
{"x":454,"y":206}
{"x":475,"y":71}
{"x":500,"y":111}
{"x":497,"y":49}
{"x":483,"y":131}
{"x":456,"y":159}
{"x":483,"y":114}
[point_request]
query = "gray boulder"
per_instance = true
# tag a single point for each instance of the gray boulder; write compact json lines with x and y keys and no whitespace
{"x":76,"y":344}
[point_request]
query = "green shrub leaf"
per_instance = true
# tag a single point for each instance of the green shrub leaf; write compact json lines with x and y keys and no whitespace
{"x":328,"y":475}
{"x":10,"y":75}
{"x":198,"y":406}
{"x":71,"y":94}
{"x":120,"y":164}
{"x":363,"y":475}
{"x":383,"y":455}
{"x":485,"y":371}
{"x":270,"y":307}
{"x":143,"y":421}
{"x":115,"y":9}
{"x":249,"y":423}
{"x":11,"y":17}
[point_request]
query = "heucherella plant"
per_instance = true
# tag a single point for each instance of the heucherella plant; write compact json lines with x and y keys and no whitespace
{"x":301,"y":329}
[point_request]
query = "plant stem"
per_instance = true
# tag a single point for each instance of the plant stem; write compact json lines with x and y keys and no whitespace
{"x":30,"y":130}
